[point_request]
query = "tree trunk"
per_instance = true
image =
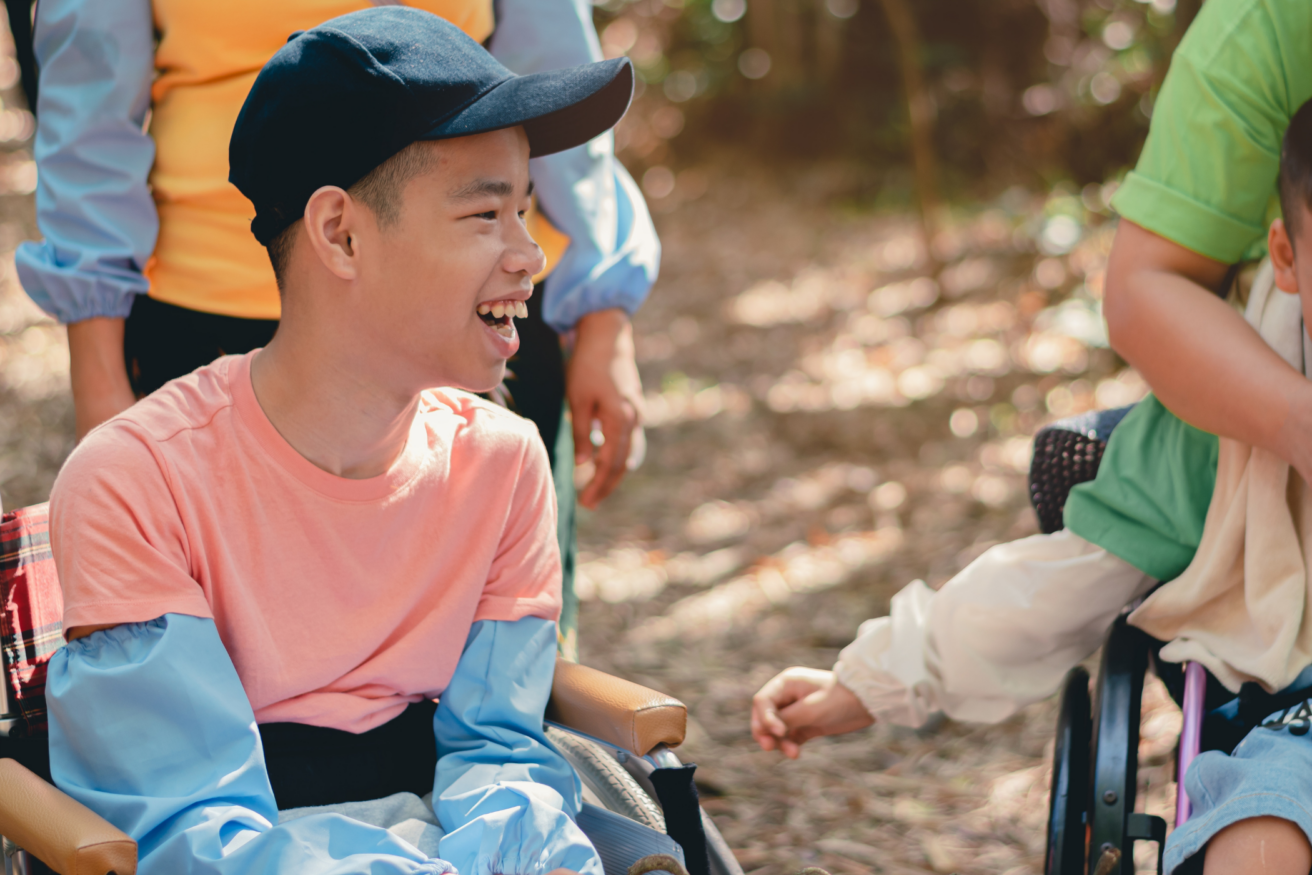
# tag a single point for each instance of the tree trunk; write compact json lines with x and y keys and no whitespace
{"x":920,"y":110}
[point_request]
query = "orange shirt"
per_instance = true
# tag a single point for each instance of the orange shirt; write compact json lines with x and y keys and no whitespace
{"x":340,"y":601}
{"x":208,"y":57}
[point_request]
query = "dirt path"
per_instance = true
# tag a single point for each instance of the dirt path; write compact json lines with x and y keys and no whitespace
{"x":826,"y":426}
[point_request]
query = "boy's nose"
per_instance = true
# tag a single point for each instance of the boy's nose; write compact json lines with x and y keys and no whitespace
{"x":527,"y":255}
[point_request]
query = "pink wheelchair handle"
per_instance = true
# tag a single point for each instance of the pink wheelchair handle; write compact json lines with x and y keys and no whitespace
{"x":1195,"y":688}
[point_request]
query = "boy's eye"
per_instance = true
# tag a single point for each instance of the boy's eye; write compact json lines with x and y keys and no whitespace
{"x":490,"y":215}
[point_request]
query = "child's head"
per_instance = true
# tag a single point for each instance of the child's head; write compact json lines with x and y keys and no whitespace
{"x":1290,"y":238}
{"x":386,"y":154}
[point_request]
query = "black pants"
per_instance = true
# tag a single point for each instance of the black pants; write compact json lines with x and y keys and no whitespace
{"x":313,"y":765}
{"x":162,"y":342}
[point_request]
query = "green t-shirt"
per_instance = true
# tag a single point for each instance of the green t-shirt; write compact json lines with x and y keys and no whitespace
{"x":1207,"y":180}
{"x":1207,"y":175}
{"x":1149,"y":501}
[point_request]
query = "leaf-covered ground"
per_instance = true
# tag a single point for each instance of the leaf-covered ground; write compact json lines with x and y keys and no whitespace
{"x":826,"y":424}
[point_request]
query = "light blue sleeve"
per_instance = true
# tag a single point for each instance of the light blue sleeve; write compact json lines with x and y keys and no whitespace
{"x":151,"y":729}
{"x":614,"y":254}
{"x":504,"y":796}
{"x":92,"y":201}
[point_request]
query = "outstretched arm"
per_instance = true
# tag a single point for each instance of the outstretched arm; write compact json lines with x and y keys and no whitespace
{"x":998,"y":636}
{"x":151,"y":729}
{"x":505,"y":797}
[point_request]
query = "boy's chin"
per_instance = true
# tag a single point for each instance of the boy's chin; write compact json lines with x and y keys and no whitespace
{"x":485,"y":383}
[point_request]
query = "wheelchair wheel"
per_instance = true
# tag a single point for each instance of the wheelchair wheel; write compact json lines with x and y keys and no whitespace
{"x":1068,"y":799}
{"x":1116,"y":751}
{"x":608,"y":780}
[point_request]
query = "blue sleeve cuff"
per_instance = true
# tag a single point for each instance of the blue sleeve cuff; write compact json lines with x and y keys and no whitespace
{"x":614,"y":253}
{"x":504,"y":796}
{"x":151,"y":729}
{"x":72,"y":294}
{"x":93,"y":201}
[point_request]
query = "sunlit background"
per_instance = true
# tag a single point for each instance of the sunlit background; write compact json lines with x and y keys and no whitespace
{"x":885,"y":227}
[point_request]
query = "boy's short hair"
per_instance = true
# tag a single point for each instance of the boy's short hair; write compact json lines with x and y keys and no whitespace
{"x":379,"y":190}
{"x":1296,"y":169}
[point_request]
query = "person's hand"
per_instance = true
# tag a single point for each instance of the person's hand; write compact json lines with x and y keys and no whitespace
{"x":98,"y":372}
{"x":602,"y":385}
{"x":800,"y":704}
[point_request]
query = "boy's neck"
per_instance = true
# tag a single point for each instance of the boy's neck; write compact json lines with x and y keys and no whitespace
{"x":329,"y":410}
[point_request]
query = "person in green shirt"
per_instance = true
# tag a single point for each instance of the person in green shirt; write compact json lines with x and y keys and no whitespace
{"x":1199,"y":201}
{"x":1003,"y":632}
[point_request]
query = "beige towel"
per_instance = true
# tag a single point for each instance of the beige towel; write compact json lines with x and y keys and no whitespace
{"x":1241,"y":607}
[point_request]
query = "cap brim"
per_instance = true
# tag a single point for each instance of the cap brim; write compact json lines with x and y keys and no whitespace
{"x":559,"y":110}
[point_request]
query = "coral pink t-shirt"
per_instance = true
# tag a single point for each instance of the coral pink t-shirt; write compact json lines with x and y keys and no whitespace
{"x":340,"y":601}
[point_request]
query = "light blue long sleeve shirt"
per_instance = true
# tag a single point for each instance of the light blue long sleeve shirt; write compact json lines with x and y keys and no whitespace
{"x":150,"y":727}
{"x":99,"y":221}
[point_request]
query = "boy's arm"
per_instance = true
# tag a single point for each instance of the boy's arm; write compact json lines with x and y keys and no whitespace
{"x":1199,"y":200}
{"x":998,"y":636}
{"x":614,"y":253}
{"x":150,"y":728}
{"x":93,"y":204}
{"x":504,"y":796}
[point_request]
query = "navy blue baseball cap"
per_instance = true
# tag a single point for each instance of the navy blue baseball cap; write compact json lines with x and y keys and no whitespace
{"x":339,"y":100}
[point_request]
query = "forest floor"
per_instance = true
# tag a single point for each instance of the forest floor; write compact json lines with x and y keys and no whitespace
{"x":826,"y":423}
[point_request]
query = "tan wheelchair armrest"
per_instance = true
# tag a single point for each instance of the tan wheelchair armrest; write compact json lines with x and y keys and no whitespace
{"x":57,"y":829}
{"x":620,"y":712}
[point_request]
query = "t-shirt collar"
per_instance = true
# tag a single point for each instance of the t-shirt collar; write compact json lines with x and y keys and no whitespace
{"x":268,"y":438}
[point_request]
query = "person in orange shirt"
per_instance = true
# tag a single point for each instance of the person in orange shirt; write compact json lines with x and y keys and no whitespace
{"x":148,"y":255}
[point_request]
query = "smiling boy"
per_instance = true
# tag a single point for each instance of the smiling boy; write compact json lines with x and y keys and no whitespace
{"x":273,"y":566}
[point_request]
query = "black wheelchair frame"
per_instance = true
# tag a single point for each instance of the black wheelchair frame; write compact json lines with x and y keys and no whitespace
{"x":1092,"y":824}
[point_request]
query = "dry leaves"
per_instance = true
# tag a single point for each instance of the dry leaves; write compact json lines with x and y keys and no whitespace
{"x":826,"y":424}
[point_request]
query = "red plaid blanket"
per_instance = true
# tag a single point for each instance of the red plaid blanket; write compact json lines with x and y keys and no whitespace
{"x":31,"y":609}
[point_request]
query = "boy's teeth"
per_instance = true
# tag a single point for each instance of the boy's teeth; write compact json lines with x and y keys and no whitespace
{"x":504,"y":330}
{"x":500,"y":309}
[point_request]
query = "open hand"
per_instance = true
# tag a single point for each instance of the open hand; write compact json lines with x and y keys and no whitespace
{"x":799,"y":704}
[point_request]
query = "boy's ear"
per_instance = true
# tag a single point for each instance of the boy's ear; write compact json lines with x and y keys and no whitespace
{"x":331,"y":219}
{"x":1281,"y":249}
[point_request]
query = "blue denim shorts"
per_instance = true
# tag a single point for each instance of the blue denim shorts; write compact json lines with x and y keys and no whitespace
{"x":1268,"y":775}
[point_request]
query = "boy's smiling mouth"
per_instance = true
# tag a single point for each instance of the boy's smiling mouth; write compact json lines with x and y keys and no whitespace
{"x":497,"y":315}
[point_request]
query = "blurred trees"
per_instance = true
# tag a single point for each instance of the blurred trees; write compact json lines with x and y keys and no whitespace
{"x":1001,"y":91}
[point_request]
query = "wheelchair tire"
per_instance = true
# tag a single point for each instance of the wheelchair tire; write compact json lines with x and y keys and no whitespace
{"x":1116,"y":746}
{"x":608,"y":780}
{"x":1068,"y":799}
